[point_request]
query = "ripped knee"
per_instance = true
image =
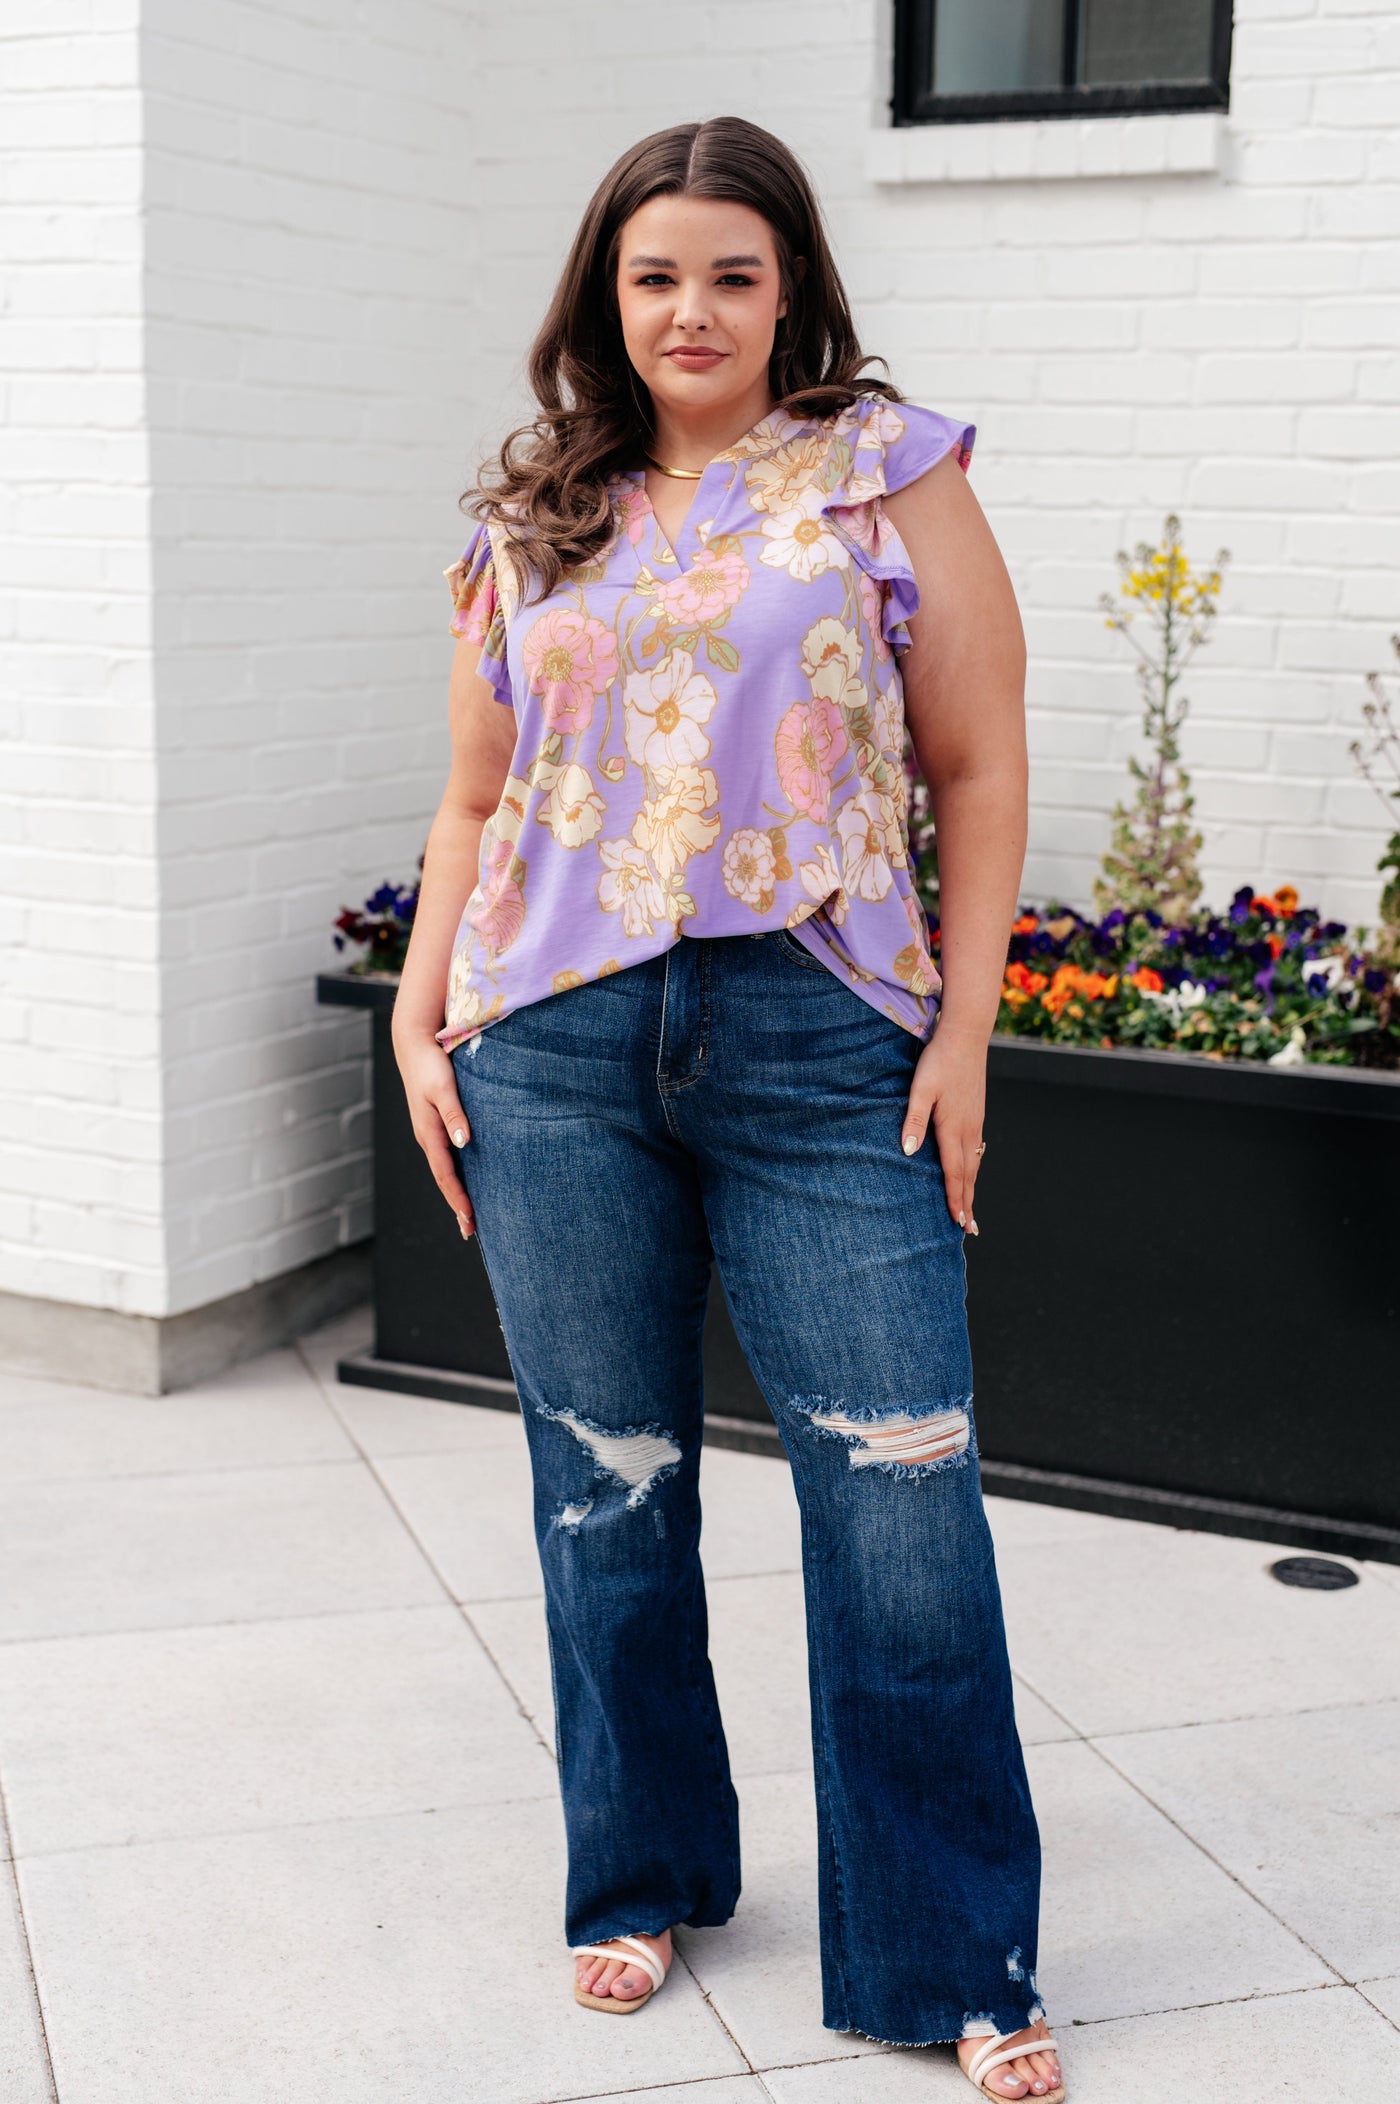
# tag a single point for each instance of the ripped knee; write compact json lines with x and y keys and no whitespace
{"x":638,"y":1457}
{"x":901,"y":1442}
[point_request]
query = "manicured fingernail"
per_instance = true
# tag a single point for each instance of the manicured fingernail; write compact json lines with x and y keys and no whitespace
{"x":911,"y":1143}
{"x":962,"y":1219}
{"x":459,"y":1137}
{"x":465,"y":1225}
{"x":973,"y":1228}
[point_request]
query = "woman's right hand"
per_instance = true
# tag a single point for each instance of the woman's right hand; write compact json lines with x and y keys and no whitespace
{"x":439,"y":1122}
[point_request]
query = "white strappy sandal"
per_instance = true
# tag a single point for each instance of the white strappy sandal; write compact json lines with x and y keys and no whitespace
{"x":994,"y":2051}
{"x":639,"y":1954}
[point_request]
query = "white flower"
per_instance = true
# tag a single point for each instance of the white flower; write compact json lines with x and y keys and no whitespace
{"x":801,"y":540}
{"x":863,"y":825}
{"x":672,"y":826}
{"x":662,"y":713}
{"x":1331,"y":971}
{"x":573,"y":809}
{"x":1294,"y":1053}
{"x":749,"y":865}
{"x":831,"y":656}
{"x":628,"y":886}
{"x":1178,"y":1000}
{"x":777,"y":482}
{"x":821,"y":880}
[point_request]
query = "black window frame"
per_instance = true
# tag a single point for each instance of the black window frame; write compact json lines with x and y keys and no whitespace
{"x":913,"y":62}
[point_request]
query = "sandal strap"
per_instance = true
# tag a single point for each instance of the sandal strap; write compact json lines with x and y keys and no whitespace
{"x":987,"y":2057}
{"x":646,"y":1959}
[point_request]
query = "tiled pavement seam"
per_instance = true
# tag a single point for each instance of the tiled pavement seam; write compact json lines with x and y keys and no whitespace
{"x":34,"y":2006}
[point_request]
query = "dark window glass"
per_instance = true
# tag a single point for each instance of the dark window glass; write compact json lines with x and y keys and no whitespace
{"x":986,"y":46}
{"x":960,"y":60}
{"x":1123,"y":41}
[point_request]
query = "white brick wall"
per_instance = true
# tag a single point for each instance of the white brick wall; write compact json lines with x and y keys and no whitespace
{"x":234,"y":352}
{"x":309,"y":286}
{"x":80,"y":1087}
{"x":265,"y":311}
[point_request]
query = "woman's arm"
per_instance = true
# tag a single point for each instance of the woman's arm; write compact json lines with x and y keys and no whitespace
{"x":964,"y":699}
{"x":483,"y":741}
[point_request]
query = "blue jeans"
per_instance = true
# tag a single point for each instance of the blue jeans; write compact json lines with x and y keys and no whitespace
{"x":734,"y":1097}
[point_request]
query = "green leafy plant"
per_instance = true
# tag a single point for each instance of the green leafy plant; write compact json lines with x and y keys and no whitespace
{"x":1150,"y":865}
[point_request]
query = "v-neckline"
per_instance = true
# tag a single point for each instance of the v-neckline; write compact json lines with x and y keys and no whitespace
{"x":730,"y":457}
{"x":664,"y":542}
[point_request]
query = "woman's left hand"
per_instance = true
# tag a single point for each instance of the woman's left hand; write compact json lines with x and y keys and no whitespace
{"x":950,"y":1087}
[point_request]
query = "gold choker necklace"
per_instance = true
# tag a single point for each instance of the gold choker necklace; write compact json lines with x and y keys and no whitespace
{"x":680,"y":474}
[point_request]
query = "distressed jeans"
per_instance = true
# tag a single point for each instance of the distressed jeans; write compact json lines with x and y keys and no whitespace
{"x":733,"y":1099}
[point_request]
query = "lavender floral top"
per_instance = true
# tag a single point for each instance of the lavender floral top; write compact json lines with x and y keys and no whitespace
{"x":709,"y":737}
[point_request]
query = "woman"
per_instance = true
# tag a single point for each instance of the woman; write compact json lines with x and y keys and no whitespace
{"x":669,"y":1000}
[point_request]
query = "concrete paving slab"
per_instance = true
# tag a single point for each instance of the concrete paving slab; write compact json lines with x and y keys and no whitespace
{"x":1135,"y":1627}
{"x":1134,"y":1917}
{"x":238,"y":1648}
{"x":1385,"y":1996}
{"x":721,"y":2089}
{"x":1305,"y":1812}
{"x":382,"y":1423}
{"x":380,"y":1420}
{"x":24,"y":2064}
{"x":146,"y":1552}
{"x":472,"y":1514}
{"x":1326,"y":2047}
{"x":1036,"y":1722}
{"x":751,"y":1525}
{"x":266,"y":1413}
{"x":761,"y":1969}
{"x":418,"y":1956}
{"x":109,"y":1739}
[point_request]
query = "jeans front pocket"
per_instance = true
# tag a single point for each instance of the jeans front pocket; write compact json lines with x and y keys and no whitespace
{"x":787,"y":945}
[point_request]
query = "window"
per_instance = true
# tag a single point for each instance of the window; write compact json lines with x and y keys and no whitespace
{"x":957,"y":61}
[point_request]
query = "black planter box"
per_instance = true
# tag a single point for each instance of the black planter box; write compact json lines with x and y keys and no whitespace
{"x":1185,"y":1301}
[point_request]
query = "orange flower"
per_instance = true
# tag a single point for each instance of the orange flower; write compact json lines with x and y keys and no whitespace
{"x":1025,"y":925}
{"x":1275,"y":943}
{"x":1110,"y":986}
{"x":1146,"y":980}
{"x":1286,"y":901}
{"x":1014,"y":997}
{"x":1262,"y":903}
{"x":1028,"y":981}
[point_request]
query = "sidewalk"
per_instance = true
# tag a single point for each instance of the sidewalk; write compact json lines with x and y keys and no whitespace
{"x":274,"y":1747}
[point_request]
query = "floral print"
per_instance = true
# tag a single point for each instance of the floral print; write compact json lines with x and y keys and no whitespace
{"x":710,"y":734}
{"x":570,"y":660}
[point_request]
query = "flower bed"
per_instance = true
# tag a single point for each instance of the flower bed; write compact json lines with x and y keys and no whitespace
{"x":1266,"y":980}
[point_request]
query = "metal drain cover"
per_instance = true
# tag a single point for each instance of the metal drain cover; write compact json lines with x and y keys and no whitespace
{"x":1318,"y":1573}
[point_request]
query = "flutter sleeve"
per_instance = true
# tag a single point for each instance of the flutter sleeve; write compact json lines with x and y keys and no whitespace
{"x":478,"y":611}
{"x":881,"y":447}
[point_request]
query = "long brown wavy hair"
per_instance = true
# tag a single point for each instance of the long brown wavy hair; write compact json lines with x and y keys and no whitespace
{"x":549,"y":486}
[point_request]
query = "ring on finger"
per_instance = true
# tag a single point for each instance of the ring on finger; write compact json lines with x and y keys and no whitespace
{"x":981,"y":1146}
